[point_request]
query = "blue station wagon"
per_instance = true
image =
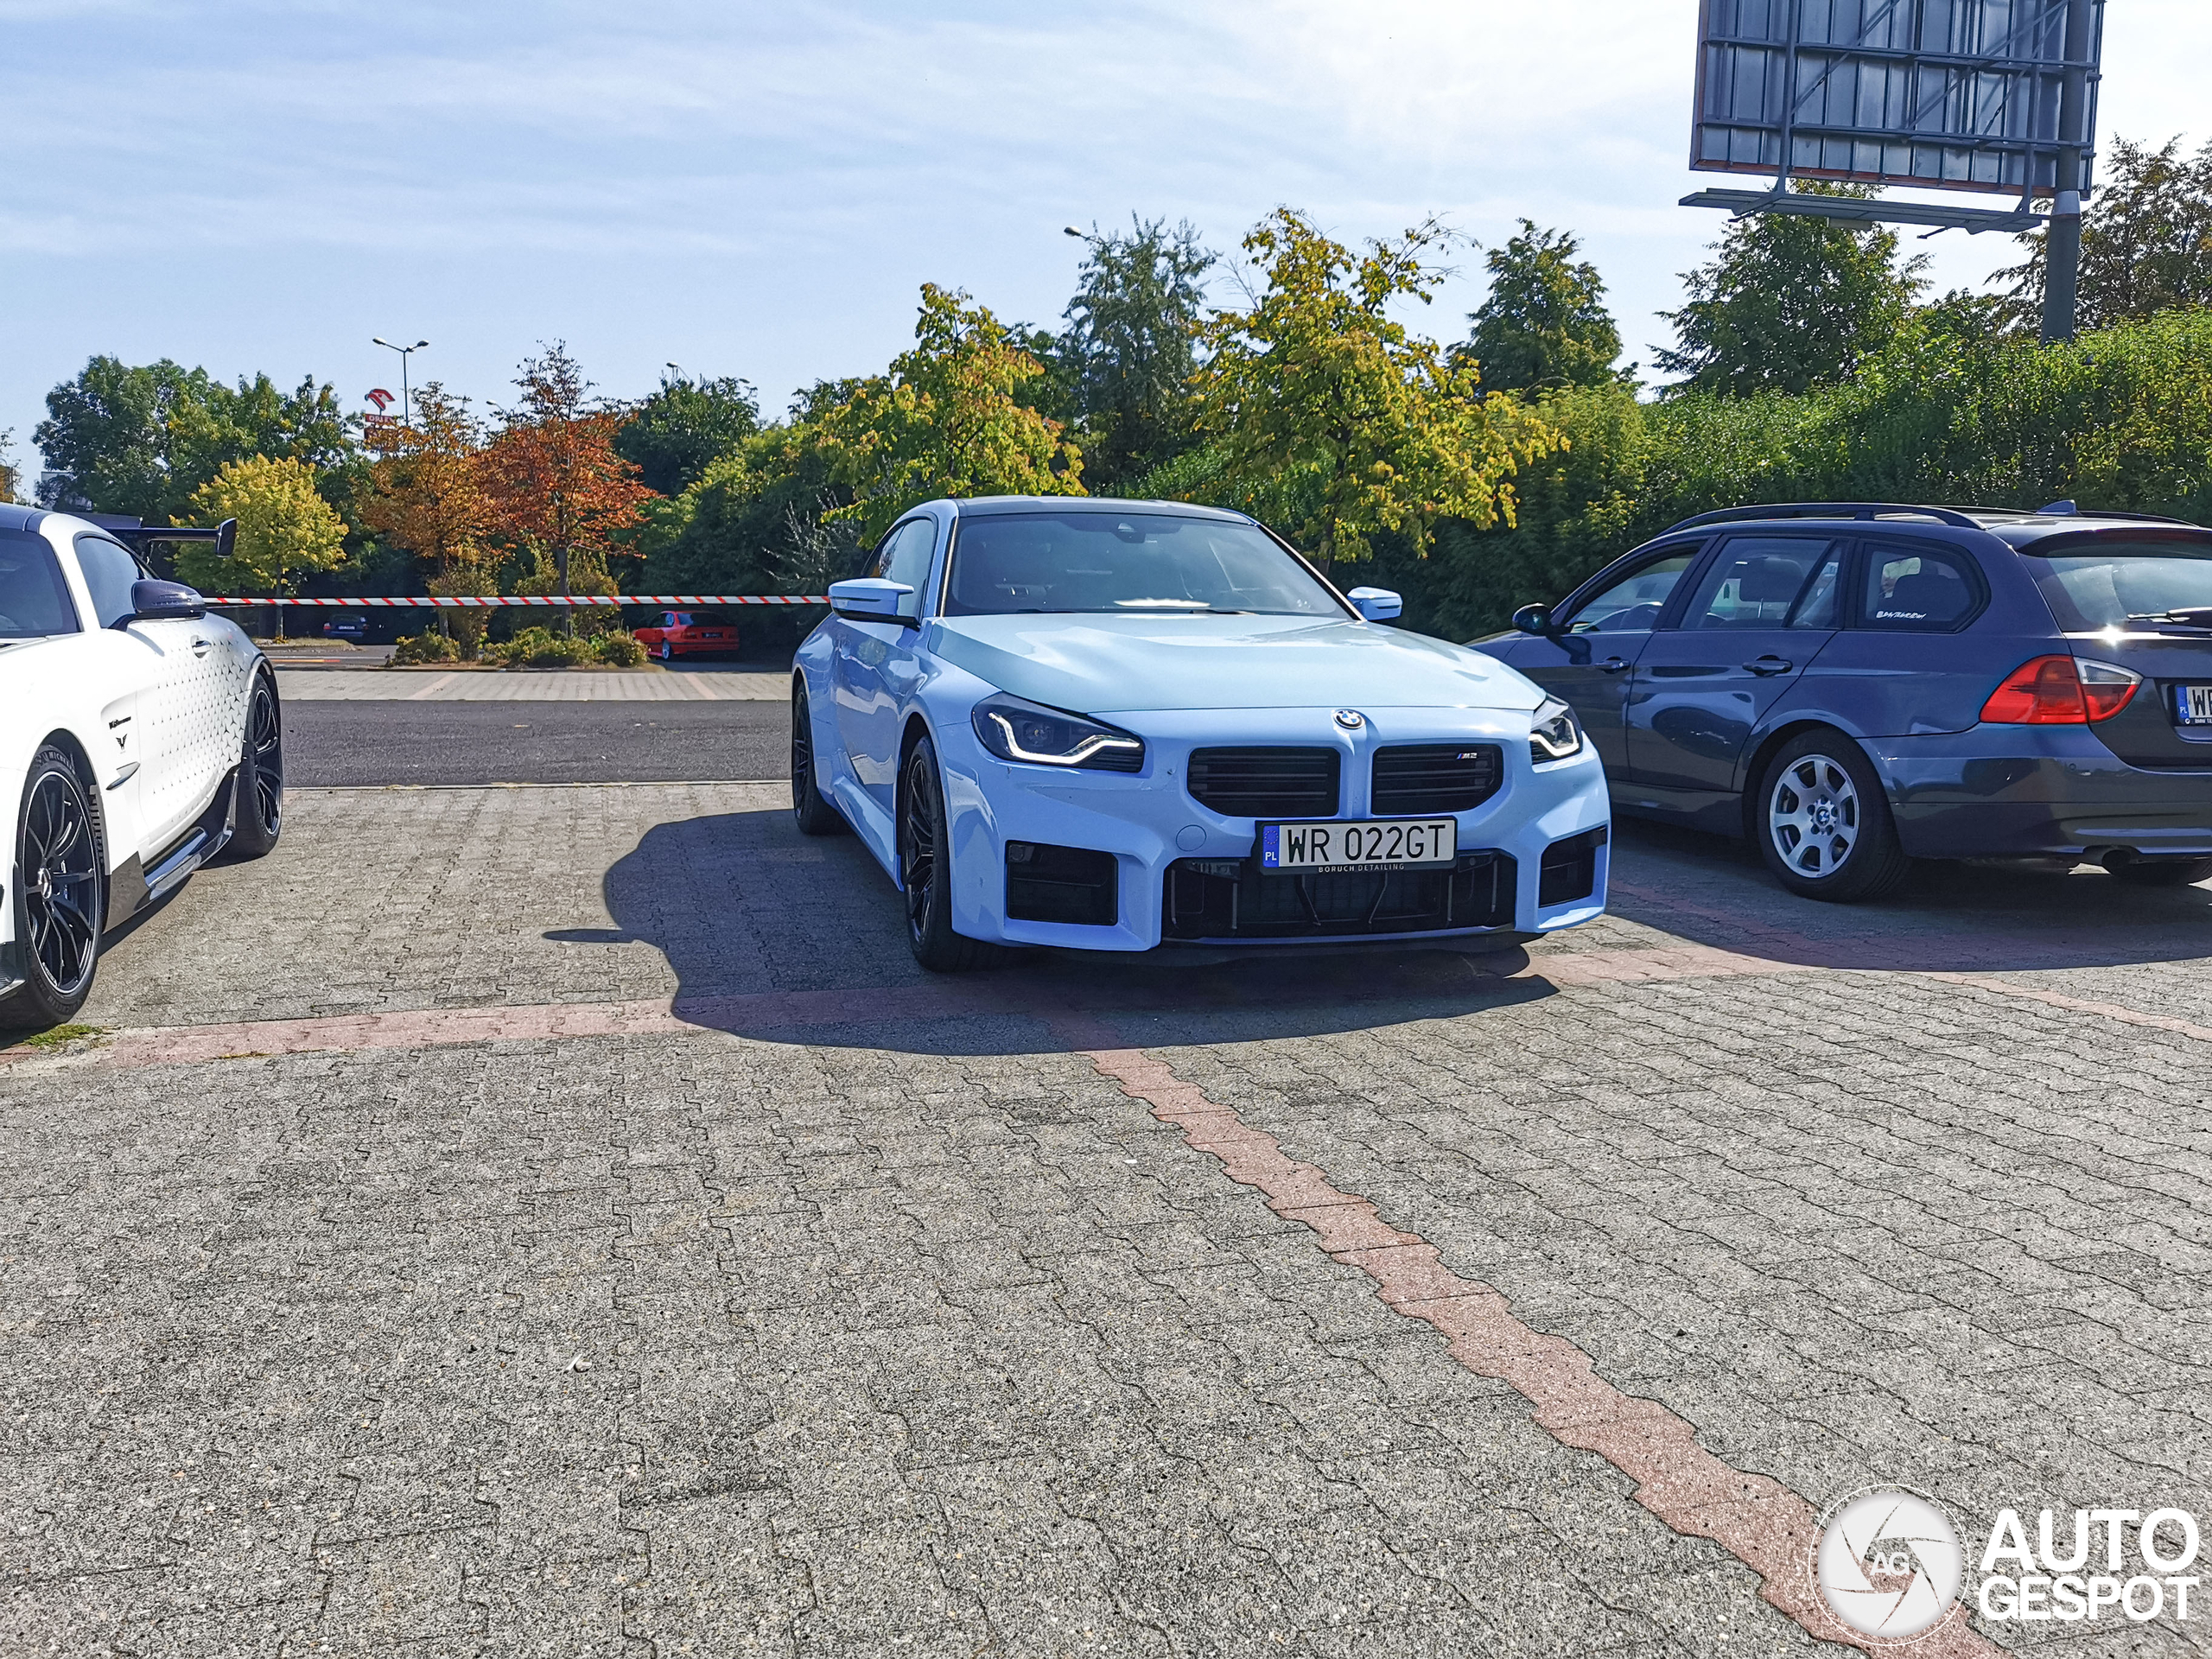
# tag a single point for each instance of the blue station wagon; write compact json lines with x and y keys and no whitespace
{"x":1854,"y":686}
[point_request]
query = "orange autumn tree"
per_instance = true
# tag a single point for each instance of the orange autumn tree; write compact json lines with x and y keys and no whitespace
{"x":560,"y":496}
{"x":427,"y":496}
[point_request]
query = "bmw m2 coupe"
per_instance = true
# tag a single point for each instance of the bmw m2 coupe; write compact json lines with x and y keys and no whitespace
{"x":1116,"y":725}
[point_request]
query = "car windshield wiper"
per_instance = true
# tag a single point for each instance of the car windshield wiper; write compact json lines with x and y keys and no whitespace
{"x":2194,"y":616}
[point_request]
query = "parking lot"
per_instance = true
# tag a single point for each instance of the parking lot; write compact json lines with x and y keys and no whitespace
{"x":543,"y":1209}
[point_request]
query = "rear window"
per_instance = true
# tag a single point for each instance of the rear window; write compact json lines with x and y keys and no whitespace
{"x":1917,"y":589}
{"x":33,"y":602}
{"x":2092,"y":583}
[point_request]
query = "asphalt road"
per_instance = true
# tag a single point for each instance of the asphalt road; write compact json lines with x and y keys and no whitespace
{"x":363,"y":743}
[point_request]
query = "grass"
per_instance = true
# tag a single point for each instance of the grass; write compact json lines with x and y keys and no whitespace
{"x":57,"y":1036}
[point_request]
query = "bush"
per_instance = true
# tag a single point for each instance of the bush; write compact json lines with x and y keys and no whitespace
{"x":619,"y":648}
{"x":540,"y":647}
{"x":428,"y":647}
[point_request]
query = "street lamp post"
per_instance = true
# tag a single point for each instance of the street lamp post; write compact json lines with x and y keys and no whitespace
{"x":406,"y":406}
{"x":407,"y":419}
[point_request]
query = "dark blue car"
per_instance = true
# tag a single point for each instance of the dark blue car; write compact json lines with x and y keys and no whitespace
{"x":1855,"y":686}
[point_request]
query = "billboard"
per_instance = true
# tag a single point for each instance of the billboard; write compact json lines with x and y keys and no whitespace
{"x":1941,"y":95}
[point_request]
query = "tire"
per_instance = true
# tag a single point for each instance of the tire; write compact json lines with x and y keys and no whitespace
{"x":815,"y":816}
{"x":925,"y":873}
{"x":61,"y":900}
{"x":2162,"y":872}
{"x":257,"y":813}
{"x":667,"y":652}
{"x":1821,"y":820}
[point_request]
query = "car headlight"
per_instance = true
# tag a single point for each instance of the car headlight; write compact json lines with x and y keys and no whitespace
{"x":1553,"y":733}
{"x":1014,"y":729}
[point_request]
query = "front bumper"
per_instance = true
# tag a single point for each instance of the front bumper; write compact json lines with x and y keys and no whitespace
{"x":1996,"y":792}
{"x":1171,"y":856}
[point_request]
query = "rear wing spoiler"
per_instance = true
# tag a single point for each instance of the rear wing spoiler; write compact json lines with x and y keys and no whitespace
{"x":225,"y":536}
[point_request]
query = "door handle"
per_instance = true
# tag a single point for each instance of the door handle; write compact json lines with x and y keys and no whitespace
{"x":198,"y":646}
{"x":1613,"y":665}
{"x":1770,"y":663}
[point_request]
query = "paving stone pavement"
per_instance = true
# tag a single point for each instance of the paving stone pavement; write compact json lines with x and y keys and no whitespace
{"x":687,"y":684}
{"x":906,"y":1330}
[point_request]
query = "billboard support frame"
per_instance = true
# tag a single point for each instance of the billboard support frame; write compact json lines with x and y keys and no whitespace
{"x":1997,"y":102}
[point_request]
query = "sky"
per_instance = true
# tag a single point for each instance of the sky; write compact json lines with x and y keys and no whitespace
{"x":760,"y":189}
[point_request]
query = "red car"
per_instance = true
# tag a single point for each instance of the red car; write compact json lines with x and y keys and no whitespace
{"x":688,"y":633}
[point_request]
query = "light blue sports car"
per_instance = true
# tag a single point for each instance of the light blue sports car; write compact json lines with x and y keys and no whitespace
{"x":1119,"y":725}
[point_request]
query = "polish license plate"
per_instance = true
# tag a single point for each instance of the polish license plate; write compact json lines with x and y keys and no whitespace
{"x":2193,"y":705}
{"x":1386,"y":844}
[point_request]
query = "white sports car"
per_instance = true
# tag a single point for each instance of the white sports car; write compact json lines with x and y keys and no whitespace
{"x":1113,"y":725}
{"x":139,"y":736}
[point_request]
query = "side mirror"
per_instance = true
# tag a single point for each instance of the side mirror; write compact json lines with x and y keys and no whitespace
{"x":163,"y":601}
{"x":871,"y":599}
{"x":1535,"y":619}
{"x":1376,"y":604}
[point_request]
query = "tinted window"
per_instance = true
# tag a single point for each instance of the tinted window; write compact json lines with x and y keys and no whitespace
{"x":1766,"y":581}
{"x":109,"y":571}
{"x":1632,"y":605}
{"x":1132,"y":564}
{"x":33,"y":602}
{"x":1925,"y":589}
{"x":905,"y":554}
{"x":2102,"y":584}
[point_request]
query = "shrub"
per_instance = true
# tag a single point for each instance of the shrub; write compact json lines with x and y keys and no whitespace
{"x":540,"y":647}
{"x":619,"y":648}
{"x":429,"y":646}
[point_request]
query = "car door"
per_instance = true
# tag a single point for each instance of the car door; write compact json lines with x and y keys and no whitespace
{"x":186,"y":717}
{"x":1763,"y":607}
{"x":876,"y":667}
{"x":1589,"y":659}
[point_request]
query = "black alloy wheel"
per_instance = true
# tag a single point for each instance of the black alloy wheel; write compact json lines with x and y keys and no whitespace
{"x":59,"y":904}
{"x":926,"y":870}
{"x":815,"y":816}
{"x":258,"y":816}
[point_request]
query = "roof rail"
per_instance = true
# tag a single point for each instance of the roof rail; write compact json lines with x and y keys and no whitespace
{"x":1950,"y":516}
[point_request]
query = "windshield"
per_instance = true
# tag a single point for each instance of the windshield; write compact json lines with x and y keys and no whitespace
{"x":32,"y":602}
{"x":2092,"y":585}
{"x":1131,"y":564}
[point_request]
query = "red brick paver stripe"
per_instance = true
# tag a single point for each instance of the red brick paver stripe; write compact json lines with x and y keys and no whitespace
{"x":764,"y":1011}
{"x":2079,"y":1005}
{"x":1758,"y":1520}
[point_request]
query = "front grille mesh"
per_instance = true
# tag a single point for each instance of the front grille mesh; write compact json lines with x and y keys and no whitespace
{"x":1265,"y":783}
{"x":1413,"y":779}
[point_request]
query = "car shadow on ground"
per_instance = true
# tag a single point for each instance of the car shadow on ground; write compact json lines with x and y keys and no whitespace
{"x":773,"y":935}
{"x":1950,"y":916}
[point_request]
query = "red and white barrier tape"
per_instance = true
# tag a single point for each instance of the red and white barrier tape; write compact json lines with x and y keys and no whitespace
{"x":479,"y":602}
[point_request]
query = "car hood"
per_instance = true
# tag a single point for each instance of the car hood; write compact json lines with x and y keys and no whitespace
{"x":1108,"y":665}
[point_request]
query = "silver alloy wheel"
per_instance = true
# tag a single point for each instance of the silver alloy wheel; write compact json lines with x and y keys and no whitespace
{"x":1813,"y":816}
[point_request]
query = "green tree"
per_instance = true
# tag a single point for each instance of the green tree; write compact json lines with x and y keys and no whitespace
{"x":674,"y":435}
{"x":286,"y":530}
{"x":948,"y":419}
{"x":1791,"y":302}
{"x":2146,"y":241}
{"x":141,"y":440}
{"x":1317,"y":398}
{"x":1544,"y":324}
{"x":1130,"y":347}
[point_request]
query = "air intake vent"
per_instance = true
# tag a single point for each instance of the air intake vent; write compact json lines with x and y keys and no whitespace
{"x":1265,"y":783}
{"x":1424,"y":777}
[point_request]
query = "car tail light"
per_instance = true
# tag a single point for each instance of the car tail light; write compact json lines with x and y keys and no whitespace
{"x":2059,"y":691}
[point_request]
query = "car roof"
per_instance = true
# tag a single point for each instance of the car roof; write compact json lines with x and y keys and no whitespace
{"x":2017,"y":527}
{"x":976,"y":506}
{"x":14,"y":516}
